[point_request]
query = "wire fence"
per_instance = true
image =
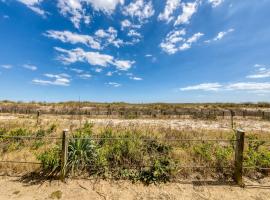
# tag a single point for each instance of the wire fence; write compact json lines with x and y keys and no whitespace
{"x":237,"y":166}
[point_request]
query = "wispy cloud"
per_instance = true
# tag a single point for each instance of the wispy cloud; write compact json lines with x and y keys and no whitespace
{"x":238,"y":86}
{"x":135,"y":78}
{"x":30,"y":67}
{"x":6,"y":66}
{"x":34,"y":5}
{"x":203,"y":86}
{"x":73,"y":38}
{"x":113,"y":84}
{"x":215,"y":3}
{"x":220,"y":35}
{"x":53,"y":79}
{"x":260,"y":72}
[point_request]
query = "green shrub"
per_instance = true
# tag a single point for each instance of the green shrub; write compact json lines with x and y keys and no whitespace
{"x":204,"y":151}
{"x":160,"y":171}
{"x":81,"y":154}
{"x":257,"y":155}
{"x":50,"y":160}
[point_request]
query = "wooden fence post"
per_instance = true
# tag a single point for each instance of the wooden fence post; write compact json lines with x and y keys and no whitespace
{"x":239,"y":149}
{"x":64,"y":154}
{"x":232,"y":115}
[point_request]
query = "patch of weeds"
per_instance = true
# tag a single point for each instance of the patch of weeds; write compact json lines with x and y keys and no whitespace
{"x":257,"y":155}
{"x":204,"y":151}
{"x":160,"y":171}
{"x":56,"y":195}
{"x":50,"y":160}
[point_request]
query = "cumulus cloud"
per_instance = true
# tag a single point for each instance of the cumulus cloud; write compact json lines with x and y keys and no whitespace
{"x":175,"y":41}
{"x":34,"y":6}
{"x":93,"y":58}
{"x":109,"y":37}
{"x":76,"y":10}
{"x":53,"y":79}
{"x":203,"y":86}
{"x":139,"y":9}
{"x":215,"y":3}
{"x":107,"y":6}
{"x":30,"y":67}
{"x":73,"y":9}
{"x":188,"y":10}
{"x":73,"y":38}
{"x":170,"y":7}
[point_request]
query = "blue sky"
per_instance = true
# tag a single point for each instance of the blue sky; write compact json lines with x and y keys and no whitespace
{"x":135,"y":50}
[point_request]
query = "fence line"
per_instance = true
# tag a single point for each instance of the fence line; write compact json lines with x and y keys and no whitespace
{"x":238,"y":164}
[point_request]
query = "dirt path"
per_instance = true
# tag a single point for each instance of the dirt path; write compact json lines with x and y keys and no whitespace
{"x":13,"y":188}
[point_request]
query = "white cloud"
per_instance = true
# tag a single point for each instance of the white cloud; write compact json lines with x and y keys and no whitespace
{"x":123,"y":64}
{"x":114,"y":84}
{"x":175,"y":41}
{"x":6,"y":66}
{"x":109,"y":73}
{"x":34,"y":6}
{"x":203,"y":86}
{"x":30,"y":67}
{"x":148,"y":55}
{"x":93,"y":58}
{"x":188,"y":10}
{"x":128,"y":24}
{"x":239,"y":86}
{"x":136,"y":78}
{"x":109,"y":36}
{"x":222,"y":34}
{"x":171,"y":6}
{"x":259,"y":65}
{"x":98,"y":70}
{"x":215,"y":3}
{"x":54,"y":79}
{"x":133,"y":33}
{"x":77,"y":10}
{"x":249,"y":86}
{"x":74,"y":10}
{"x":139,"y":9}
{"x":77,"y":70}
{"x":261,"y":72}
{"x":73,"y":38}
{"x":85,"y":76}
{"x":107,"y":6}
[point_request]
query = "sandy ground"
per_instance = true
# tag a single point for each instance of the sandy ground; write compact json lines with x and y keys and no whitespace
{"x":248,"y":124}
{"x":14,"y":188}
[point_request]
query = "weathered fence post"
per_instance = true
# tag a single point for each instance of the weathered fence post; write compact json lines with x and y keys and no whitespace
{"x":64,"y":154}
{"x":239,"y":149}
{"x":232,"y":115}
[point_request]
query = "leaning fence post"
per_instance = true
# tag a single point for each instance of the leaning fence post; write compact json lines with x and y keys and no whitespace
{"x":239,"y":149}
{"x":64,"y":154}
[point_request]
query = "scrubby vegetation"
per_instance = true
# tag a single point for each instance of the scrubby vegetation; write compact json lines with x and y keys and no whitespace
{"x":133,"y":153}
